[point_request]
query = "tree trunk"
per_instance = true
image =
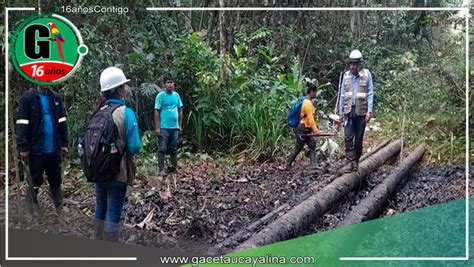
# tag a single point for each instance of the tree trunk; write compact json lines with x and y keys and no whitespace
{"x":246,"y":232}
{"x":377,"y":148}
{"x":355,"y":20}
{"x":222,"y":29}
{"x":299,"y":217}
{"x":369,"y":207}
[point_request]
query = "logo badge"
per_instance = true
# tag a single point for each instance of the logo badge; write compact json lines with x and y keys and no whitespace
{"x":47,"y":49}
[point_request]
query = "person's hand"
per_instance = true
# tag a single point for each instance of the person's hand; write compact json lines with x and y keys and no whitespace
{"x":65,"y":150}
{"x":25,"y":154}
{"x":180,"y":128}
{"x":368,"y":116}
{"x":158,"y":131}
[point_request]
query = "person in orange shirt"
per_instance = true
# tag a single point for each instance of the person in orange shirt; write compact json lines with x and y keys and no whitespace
{"x":306,"y":131}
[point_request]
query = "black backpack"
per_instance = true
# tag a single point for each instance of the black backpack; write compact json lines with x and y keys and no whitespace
{"x":101,"y":157}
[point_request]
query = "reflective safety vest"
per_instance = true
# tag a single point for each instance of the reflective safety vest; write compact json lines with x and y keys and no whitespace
{"x":361,"y":103}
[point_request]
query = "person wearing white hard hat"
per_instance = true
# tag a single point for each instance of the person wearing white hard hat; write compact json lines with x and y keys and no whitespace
{"x":111,"y":185}
{"x":355,"y":107}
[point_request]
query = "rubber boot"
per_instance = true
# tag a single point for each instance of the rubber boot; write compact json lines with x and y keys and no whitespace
{"x":355,"y":165}
{"x":32,"y":200}
{"x":111,"y":236}
{"x":99,"y":226}
{"x":57,"y":196}
{"x":161,"y":163}
{"x":292,"y":158}
{"x":312,"y":158}
{"x":174,"y":162}
{"x":111,"y":232}
{"x":346,"y":167}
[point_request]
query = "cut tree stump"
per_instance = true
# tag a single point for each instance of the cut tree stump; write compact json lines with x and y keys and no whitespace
{"x":369,"y":207}
{"x":300,"y":216}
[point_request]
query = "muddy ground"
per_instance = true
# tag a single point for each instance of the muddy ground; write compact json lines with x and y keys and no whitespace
{"x":206,"y":204}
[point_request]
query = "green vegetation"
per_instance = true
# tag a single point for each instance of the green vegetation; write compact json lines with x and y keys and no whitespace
{"x":238,"y":77}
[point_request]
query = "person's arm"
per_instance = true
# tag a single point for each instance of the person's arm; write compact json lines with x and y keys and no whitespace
{"x":22,"y":125}
{"x":156,"y":119}
{"x":180,"y":114}
{"x":132,"y":134}
{"x":370,"y":93}
{"x":370,"y":98}
{"x":156,"y":116}
{"x":341,"y":98}
{"x":307,"y":110}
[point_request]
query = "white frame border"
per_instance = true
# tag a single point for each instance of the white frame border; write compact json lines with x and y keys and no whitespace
{"x":465,"y":9}
{"x":7,"y":257}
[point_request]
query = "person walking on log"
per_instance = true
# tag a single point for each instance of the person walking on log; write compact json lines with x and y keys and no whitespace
{"x":306,"y":128}
{"x":355,"y":107}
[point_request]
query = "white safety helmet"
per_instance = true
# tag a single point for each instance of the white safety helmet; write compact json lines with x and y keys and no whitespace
{"x":111,"y":78}
{"x":355,"y":56}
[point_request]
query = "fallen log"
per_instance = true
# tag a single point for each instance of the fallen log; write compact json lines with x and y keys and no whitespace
{"x":312,"y":170}
{"x":369,"y":206}
{"x":377,"y":148}
{"x":244,"y":233}
{"x":300,"y":216}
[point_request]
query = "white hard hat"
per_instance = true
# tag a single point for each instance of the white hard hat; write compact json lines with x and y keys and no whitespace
{"x":111,"y":77}
{"x":355,"y":56}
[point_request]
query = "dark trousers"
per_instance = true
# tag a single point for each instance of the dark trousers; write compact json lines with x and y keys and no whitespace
{"x":354,"y":129}
{"x":168,"y":143}
{"x":109,"y":204}
{"x":303,"y":137}
{"x":49,"y":163}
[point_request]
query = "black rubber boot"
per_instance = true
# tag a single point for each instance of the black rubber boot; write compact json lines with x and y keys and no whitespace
{"x":111,"y":236}
{"x":312,"y":158}
{"x":99,"y":226}
{"x":174,"y":160}
{"x":57,"y":196}
{"x":355,"y":165}
{"x":161,"y":163}
{"x":32,"y":200}
{"x":292,"y":158}
{"x":346,"y":167}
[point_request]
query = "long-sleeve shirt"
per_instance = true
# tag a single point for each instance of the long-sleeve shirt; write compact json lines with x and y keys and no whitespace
{"x":130,"y":124}
{"x":306,"y":114}
{"x":355,"y":85}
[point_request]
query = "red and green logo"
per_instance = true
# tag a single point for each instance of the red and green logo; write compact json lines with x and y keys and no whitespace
{"x":47,"y":49}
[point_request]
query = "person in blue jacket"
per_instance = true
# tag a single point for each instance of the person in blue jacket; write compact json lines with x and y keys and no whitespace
{"x":110,"y":194}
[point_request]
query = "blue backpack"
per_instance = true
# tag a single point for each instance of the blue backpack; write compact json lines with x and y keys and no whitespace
{"x":294,"y":113}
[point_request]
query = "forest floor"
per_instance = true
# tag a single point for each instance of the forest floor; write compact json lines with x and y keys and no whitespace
{"x":204,"y":204}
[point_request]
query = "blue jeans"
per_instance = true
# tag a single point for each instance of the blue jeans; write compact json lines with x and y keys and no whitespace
{"x":109,"y":204}
{"x":168,"y":141}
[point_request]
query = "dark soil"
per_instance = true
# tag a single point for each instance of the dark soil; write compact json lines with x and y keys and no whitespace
{"x":205,"y":203}
{"x":429,"y":186}
{"x":426,"y":186}
{"x":338,"y":212}
{"x":202,"y":203}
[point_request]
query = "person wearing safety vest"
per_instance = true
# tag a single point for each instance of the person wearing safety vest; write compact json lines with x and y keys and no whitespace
{"x":355,"y":107}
